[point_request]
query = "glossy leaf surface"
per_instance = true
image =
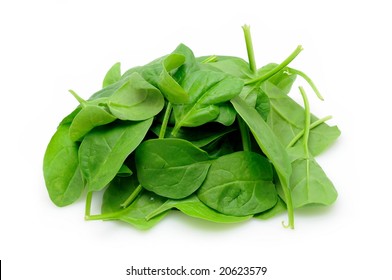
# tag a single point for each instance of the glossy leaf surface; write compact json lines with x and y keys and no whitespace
{"x":61,"y":168}
{"x":172,"y":168}
{"x":136,"y":100}
{"x":103,"y":151}
{"x":239,"y":184}
{"x":193,"y":207}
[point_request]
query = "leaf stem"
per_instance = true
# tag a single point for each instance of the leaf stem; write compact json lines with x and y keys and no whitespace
{"x":307,"y":121}
{"x":107,"y":216}
{"x":245,"y":134}
{"x":113,"y":215}
{"x":302,"y":132}
{"x":78,"y":98}
{"x":282,"y":65}
{"x":132,"y":197}
{"x":165,"y":121}
{"x":249,"y":48}
{"x":308,"y":80}
{"x":87,"y":209}
{"x":244,"y":129}
{"x":212,"y":58}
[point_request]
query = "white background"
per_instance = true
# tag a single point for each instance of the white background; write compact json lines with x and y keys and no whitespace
{"x":48,"y":47}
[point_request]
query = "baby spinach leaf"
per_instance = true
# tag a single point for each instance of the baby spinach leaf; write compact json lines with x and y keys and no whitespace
{"x":103,"y":151}
{"x":287,"y":119}
{"x":193,"y":207}
{"x":135,"y":214}
{"x":136,"y":100}
{"x":206,"y":91}
{"x":284,"y":79}
{"x":143,"y":205}
{"x":239,"y":184}
{"x":227,"y":114}
{"x":231,"y":65}
{"x":310,"y":185}
{"x":69,"y":118}
{"x":271,"y":147}
{"x":255,"y":97}
{"x":90,"y":116}
{"x":62,"y":175}
{"x":173,"y":92}
{"x":280,"y":207}
{"x":189,"y":66}
{"x":113,"y":75}
{"x":198,"y":136}
{"x":172,"y":168}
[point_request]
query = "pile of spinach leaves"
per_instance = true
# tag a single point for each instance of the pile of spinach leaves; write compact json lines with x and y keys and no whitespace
{"x":214,"y":137}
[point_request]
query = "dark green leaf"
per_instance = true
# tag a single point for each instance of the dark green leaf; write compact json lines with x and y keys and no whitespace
{"x":119,"y":190}
{"x":105,"y":148}
{"x":287,"y":119}
{"x":172,"y":168}
{"x":206,"y":91}
{"x":193,"y":207}
{"x":239,"y":184}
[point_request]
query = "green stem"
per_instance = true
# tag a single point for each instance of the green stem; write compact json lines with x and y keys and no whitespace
{"x":249,"y":48}
{"x":282,"y":65}
{"x":78,"y":98}
{"x":302,"y":132}
{"x":308,"y":80}
{"x":244,"y":129}
{"x":245,"y":135}
{"x":212,"y":58}
{"x":165,"y":121}
{"x":87,"y":209}
{"x":307,"y":121}
{"x":106,"y":216}
{"x":132,"y":197}
{"x":290,"y":208}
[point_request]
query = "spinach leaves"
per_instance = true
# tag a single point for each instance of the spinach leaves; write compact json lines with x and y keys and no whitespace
{"x":213,"y":137}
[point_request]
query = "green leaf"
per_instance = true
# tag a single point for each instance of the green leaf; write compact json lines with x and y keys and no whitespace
{"x":173,"y":92}
{"x":270,"y":144}
{"x":287,"y":119}
{"x":135,"y":214}
{"x":310,"y":185}
{"x":280,"y":207}
{"x":193,"y":207}
{"x":143,"y":205}
{"x":90,"y":116}
{"x":113,"y":75}
{"x":198,"y":136}
{"x":284,"y":79}
{"x":104,"y":150}
{"x":206,"y":91}
{"x":172,"y":168}
{"x":136,"y":100}
{"x":61,"y":168}
{"x":255,"y":97}
{"x":231,"y":65}
{"x":239,"y":184}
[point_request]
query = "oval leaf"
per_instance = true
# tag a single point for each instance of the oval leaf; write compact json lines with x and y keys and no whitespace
{"x":136,"y":100}
{"x":239,"y":184}
{"x":61,"y":168}
{"x":172,"y":168}
{"x":104,"y":150}
{"x":89,"y":117}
